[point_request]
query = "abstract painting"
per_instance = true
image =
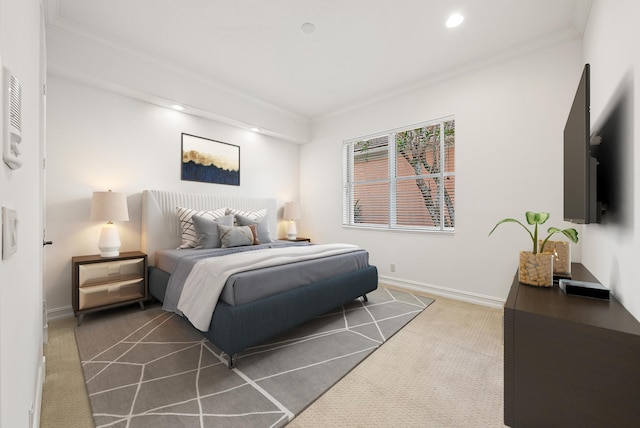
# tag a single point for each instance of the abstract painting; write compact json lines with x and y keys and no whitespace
{"x":210,"y":161}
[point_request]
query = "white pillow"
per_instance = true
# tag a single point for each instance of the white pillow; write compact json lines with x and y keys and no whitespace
{"x":189,"y":237}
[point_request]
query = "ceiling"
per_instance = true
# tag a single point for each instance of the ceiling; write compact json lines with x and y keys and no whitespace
{"x":360,"y":51}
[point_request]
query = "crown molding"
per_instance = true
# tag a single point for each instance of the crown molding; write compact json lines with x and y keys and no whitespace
{"x":581,"y":15}
{"x":513,"y":53}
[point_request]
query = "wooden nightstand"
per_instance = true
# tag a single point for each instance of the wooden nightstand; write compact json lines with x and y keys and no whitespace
{"x":298,"y":239}
{"x":105,"y":282}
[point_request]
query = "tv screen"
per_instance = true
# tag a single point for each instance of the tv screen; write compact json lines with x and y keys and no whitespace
{"x":580,"y":187}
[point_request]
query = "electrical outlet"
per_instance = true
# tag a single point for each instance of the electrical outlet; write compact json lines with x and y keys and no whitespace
{"x":392,"y":268}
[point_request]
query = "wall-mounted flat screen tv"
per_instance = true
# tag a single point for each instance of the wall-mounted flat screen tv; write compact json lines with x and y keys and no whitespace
{"x":580,"y":167}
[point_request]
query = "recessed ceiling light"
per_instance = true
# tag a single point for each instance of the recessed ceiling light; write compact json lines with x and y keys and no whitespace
{"x":254,"y":129}
{"x":177,"y":107}
{"x":454,"y":20}
{"x":308,"y":27}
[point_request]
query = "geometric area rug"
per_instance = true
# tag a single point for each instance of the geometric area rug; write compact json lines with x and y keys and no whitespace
{"x":151,"y":368}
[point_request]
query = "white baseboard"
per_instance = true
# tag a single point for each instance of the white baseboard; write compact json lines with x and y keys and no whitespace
{"x":36,"y":405}
{"x":58,"y":313}
{"x":465,"y":296}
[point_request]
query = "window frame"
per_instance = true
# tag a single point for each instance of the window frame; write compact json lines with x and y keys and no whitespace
{"x":348,"y":182}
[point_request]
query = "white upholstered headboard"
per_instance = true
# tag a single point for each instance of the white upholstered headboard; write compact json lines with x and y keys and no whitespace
{"x":160,"y":224}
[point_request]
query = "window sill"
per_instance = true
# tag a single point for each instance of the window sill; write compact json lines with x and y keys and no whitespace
{"x":401,"y":230}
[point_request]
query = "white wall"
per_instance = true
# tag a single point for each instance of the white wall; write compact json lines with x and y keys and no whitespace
{"x":509,"y":128}
{"x":99,"y":140}
{"x":21,"y":321}
{"x":611,"y":249}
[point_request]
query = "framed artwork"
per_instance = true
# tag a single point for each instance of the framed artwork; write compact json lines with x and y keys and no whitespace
{"x":210,"y":161}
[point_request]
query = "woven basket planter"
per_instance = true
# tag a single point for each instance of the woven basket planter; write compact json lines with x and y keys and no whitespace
{"x":561,"y":251}
{"x":536,"y":269}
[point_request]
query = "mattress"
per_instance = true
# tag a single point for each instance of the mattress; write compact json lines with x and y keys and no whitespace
{"x":249,"y":286}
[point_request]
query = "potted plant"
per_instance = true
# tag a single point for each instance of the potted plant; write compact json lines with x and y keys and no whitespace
{"x":536,"y":266}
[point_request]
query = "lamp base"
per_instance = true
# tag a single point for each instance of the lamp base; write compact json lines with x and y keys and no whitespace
{"x":108,"y":254}
{"x":109,"y":243}
{"x":292,"y":232}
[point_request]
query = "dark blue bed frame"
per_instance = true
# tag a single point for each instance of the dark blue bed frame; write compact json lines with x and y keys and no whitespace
{"x":236,"y":328}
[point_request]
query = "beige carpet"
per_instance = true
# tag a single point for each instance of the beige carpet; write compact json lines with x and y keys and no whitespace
{"x":444,"y":369}
{"x":65,"y":402}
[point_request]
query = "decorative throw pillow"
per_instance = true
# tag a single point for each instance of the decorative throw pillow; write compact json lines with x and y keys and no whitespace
{"x":262,"y":226}
{"x":235,"y":236}
{"x":207,"y":230}
{"x":189,"y":237}
{"x":254,"y":231}
{"x":253,"y":215}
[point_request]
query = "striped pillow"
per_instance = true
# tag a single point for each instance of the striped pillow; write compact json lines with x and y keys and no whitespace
{"x":189,"y":237}
{"x":253,"y":215}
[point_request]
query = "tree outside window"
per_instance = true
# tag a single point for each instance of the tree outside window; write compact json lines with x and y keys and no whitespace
{"x":402,"y":179}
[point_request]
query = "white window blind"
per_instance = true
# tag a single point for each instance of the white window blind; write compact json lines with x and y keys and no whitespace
{"x":401,"y":179}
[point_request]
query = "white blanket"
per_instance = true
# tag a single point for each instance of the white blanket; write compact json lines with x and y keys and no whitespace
{"x":204,"y":284}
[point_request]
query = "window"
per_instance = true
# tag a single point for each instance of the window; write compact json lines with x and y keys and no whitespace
{"x":401,"y":179}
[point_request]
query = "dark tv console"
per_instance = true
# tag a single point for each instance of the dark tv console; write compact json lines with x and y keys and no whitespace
{"x":569,"y":361}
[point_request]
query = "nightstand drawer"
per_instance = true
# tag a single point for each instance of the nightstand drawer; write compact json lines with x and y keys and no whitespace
{"x":99,"y":283}
{"x":113,"y":292}
{"x":97,"y":273}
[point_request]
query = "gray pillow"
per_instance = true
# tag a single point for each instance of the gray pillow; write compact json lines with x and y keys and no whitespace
{"x":262,"y":226}
{"x":207,"y":235}
{"x":235,"y":236}
{"x":185,"y":215}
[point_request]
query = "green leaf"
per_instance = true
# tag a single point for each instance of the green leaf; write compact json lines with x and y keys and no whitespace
{"x":572,"y":234}
{"x":511,"y":220}
{"x":536,"y":218}
{"x":543,"y":217}
{"x":506,"y":220}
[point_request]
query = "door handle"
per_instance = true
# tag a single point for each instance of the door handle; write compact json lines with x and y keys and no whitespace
{"x":47,"y":243}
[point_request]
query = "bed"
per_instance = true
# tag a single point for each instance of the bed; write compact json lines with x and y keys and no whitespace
{"x":256,"y":305}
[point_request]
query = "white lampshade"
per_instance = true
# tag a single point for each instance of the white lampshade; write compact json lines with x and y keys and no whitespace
{"x":109,"y":206}
{"x":291,"y":213}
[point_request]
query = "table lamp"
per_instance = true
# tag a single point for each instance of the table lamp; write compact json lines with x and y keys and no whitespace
{"x":109,"y":206}
{"x":291,"y":213}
